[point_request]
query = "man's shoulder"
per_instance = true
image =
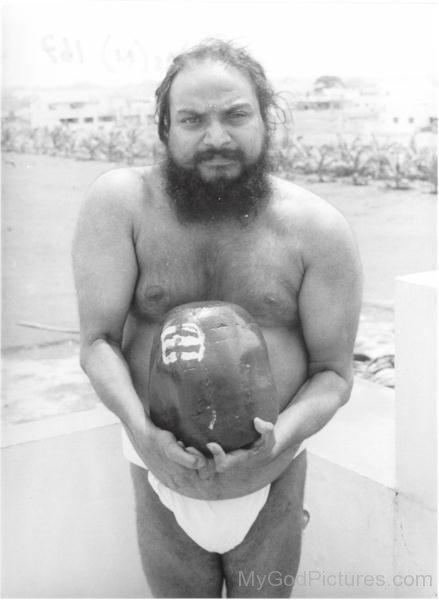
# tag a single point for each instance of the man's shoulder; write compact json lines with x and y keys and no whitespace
{"x":317,"y":229}
{"x":304,"y":211}
{"x":122,"y":193}
{"x":124,"y":185}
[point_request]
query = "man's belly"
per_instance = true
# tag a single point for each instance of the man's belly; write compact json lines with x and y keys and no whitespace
{"x":286,"y":352}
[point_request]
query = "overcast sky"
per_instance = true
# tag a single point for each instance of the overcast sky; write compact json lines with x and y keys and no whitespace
{"x":130,"y":41}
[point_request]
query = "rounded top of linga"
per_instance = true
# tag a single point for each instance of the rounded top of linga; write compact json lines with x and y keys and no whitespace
{"x":210,"y":376}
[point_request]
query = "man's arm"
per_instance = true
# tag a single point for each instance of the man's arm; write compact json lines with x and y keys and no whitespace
{"x":105,"y":269}
{"x":105,"y":273}
{"x":329,"y":305}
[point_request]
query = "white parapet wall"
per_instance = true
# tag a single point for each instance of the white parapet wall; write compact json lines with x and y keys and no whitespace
{"x":416,"y":431}
{"x":348,"y":545}
{"x":416,"y":364}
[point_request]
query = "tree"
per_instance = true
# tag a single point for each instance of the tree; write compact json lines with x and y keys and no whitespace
{"x":328,"y":81}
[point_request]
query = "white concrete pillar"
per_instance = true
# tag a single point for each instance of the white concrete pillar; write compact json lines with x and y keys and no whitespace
{"x":416,"y":435}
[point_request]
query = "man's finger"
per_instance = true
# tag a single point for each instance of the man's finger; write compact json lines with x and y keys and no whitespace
{"x":238,"y":458}
{"x":198,"y":454}
{"x":263,"y":427}
{"x":216,"y":450}
{"x":266,"y":429}
{"x":209,"y":467}
{"x":194,"y":451}
{"x":229,"y":460}
{"x":183,"y":458}
{"x":219,"y":456}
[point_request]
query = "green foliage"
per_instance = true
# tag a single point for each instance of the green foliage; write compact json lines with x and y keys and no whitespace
{"x":426,"y":164}
{"x":121,"y":143}
{"x":392,"y":162}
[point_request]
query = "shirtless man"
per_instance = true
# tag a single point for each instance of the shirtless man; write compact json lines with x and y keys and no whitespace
{"x":210,"y":223}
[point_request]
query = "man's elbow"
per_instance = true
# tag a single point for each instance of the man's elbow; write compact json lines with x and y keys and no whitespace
{"x":340,"y":379}
{"x":348,"y":383}
{"x":84,"y":354}
{"x":90,"y":347}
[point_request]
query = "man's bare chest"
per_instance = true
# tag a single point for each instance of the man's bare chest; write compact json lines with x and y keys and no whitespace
{"x":256,"y":270}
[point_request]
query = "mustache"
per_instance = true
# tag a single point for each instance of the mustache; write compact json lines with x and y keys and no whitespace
{"x":225,"y":153}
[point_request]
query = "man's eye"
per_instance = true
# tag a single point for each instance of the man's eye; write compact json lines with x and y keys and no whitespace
{"x":235,"y":116}
{"x":190,"y":120}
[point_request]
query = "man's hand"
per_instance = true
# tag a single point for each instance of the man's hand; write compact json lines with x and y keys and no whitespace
{"x":184,"y":470}
{"x":242,"y":472}
{"x":258,"y":454}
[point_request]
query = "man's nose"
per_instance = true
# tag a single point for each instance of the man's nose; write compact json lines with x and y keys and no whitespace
{"x":216,"y":135}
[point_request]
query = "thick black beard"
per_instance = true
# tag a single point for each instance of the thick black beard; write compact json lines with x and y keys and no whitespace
{"x":197,"y":201}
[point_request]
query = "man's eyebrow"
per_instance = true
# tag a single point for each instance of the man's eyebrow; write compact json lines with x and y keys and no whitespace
{"x":191,"y":111}
{"x":239,"y":105}
{"x":235,"y":106}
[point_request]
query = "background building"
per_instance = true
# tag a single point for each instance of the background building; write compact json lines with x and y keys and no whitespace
{"x":85,"y":108}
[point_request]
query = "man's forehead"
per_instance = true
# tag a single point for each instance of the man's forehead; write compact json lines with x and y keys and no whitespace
{"x":211,"y":84}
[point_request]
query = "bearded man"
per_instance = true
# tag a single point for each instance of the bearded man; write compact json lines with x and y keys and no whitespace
{"x":211,"y":223}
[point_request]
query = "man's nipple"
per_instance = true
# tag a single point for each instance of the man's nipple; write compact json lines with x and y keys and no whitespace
{"x":154,"y":293}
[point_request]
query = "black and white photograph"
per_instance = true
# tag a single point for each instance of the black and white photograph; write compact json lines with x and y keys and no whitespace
{"x":219,"y":299}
